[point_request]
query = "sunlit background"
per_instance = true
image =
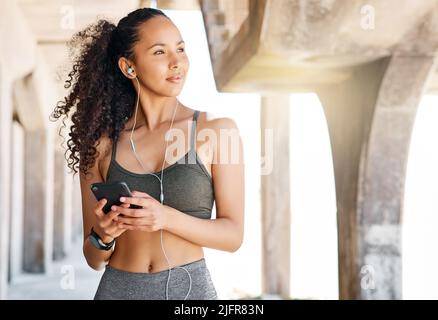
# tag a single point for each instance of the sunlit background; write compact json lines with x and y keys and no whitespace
{"x":420,"y":219}
{"x":314,"y":262}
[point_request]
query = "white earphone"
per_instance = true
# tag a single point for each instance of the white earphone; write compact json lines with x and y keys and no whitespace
{"x":130,"y":71}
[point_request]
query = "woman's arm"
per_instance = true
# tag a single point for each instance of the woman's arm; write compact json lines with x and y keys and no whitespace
{"x":222,"y":233}
{"x":95,"y":258}
{"x":93,"y":215}
{"x":226,"y":232}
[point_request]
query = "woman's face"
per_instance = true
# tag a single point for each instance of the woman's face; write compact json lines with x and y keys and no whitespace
{"x":159,"y":55}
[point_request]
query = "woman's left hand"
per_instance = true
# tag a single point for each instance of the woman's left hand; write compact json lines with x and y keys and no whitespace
{"x":152,"y":217}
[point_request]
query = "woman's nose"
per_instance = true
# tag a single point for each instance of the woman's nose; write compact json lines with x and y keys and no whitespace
{"x":175,"y":64}
{"x":175,"y":61}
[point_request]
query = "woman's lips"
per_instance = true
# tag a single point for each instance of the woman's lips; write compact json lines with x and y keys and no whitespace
{"x":174,"y":79}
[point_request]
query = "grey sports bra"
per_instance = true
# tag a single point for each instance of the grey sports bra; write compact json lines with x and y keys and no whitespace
{"x":187,"y":185}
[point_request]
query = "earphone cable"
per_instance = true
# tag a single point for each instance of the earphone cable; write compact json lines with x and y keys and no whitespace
{"x":161,"y":187}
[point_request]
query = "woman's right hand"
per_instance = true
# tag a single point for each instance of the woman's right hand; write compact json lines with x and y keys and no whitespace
{"x":106,"y":227}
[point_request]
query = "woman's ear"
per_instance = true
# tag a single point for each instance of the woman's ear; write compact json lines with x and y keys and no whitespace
{"x":127,"y":68}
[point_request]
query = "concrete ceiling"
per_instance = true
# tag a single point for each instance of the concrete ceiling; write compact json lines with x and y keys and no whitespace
{"x":290,"y":45}
{"x":340,"y":32}
{"x":53,"y":22}
{"x":300,"y":36}
{"x":56,"y":21}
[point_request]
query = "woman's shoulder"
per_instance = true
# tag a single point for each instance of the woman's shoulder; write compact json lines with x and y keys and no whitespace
{"x":216,"y":121}
{"x":103,"y":146}
{"x":224,"y":137}
{"x":103,"y":153}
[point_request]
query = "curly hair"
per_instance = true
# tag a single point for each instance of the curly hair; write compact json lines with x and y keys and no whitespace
{"x":101,"y":98}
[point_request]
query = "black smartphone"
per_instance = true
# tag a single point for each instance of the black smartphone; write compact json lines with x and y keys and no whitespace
{"x":111,"y":191}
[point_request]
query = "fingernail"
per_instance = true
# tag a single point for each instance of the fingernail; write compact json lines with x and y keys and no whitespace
{"x":122,"y":199}
{"x":113,"y":208}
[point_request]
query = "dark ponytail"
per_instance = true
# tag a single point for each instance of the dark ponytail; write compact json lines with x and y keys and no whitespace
{"x":101,"y":98}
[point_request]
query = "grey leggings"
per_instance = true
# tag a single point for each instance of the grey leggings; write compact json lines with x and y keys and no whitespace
{"x":117,"y":284}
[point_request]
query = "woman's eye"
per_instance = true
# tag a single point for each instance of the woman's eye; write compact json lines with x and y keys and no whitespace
{"x":182,"y":50}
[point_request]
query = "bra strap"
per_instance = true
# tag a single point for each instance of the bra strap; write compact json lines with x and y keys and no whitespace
{"x":192,"y":153}
{"x":193,"y":137}
{"x":114,"y":150}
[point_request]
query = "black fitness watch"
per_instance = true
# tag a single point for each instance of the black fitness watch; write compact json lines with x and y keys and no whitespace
{"x":97,"y":242}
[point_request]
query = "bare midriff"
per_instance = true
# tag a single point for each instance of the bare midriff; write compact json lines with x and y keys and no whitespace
{"x":140,"y":251}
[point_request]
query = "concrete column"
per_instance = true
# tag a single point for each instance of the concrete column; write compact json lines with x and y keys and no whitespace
{"x":370,"y":119}
{"x":77,"y":210}
{"x":34,"y":97}
{"x":17,"y":195}
{"x":12,"y":67}
{"x":348,"y":107}
{"x":381,"y":189}
{"x":38,"y":195}
{"x":5,"y":169}
{"x":68,"y":212}
{"x":62,"y":223}
{"x":62,"y":233}
{"x":275,"y":196}
{"x":59,"y":211}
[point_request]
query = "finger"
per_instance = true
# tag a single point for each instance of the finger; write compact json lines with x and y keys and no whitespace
{"x":122,"y":227}
{"x":141,"y":202}
{"x":125,"y":226}
{"x":98,"y":210}
{"x":132,"y":227}
{"x":111,"y":215}
{"x":130,"y":212}
{"x":141,"y":228}
{"x":114,"y":230}
{"x":141,"y":194}
{"x":135,"y":221}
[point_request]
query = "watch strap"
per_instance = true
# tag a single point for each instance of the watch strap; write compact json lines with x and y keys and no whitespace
{"x":97,"y":241}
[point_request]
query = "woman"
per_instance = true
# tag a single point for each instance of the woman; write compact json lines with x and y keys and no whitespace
{"x":125,"y":81}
